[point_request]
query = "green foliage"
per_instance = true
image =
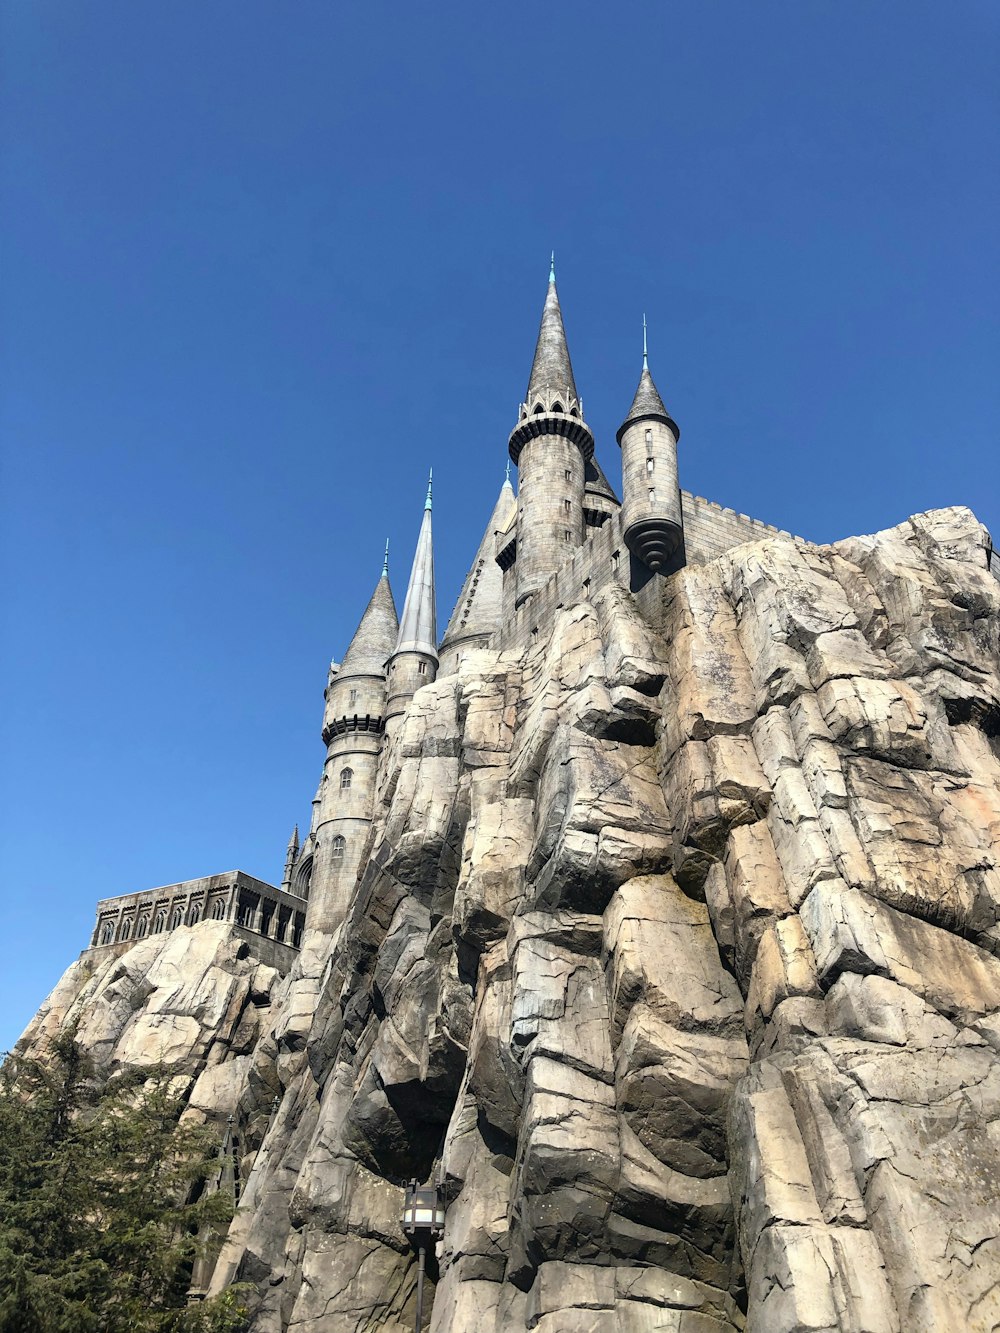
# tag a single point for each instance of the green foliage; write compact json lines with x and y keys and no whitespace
{"x":103,"y":1203}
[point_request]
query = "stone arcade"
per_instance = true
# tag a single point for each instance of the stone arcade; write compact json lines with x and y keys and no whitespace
{"x":652,"y":914}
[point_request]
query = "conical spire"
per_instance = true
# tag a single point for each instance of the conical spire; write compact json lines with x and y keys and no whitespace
{"x":647,"y":403}
{"x":376,"y":633}
{"x":418,"y":624}
{"x":290,"y":857}
{"x":551,"y":370}
{"x":478,"y":610}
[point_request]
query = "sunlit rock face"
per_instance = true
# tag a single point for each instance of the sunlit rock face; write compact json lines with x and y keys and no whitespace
{"x":673,"y":958}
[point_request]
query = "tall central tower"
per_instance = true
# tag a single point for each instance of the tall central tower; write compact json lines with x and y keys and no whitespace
{"x":550,"y":444}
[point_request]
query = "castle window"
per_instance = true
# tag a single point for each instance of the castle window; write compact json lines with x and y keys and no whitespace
{"x":194,"y":916}
{"x":346,"y":776}
{"x":142,"y":927}
{"x":568,"y":505}
{"x":650,"y":466}
{"x":108,"y":933}
{"x":538,"y":409}
{"x":567,"y":535}
{"x":354,"y":697}
{"x":219,"y":909}
{"x":160,"y":923}
{"x":568,"y":475}
{"x":652,"y":494}
{"x":649,"y":437}
{"x":126,"y":933}
{"x":557,"y":406}
{"x":337,"y":848}
{"x":422,"y":668}
{"x":615,"y":559}
{"x":178,"y":919}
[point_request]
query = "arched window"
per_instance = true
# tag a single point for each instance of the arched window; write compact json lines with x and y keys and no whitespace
{"x":178,"y":918}
{"x":194,"y":915}
{"x":346,"y":775}
{"x":537,"y":409}
{"x":338,"y":847}
{"x":142,"y":927}
{"x":126,"y":932}
{"x":108,"y":932}
{"x":219,"y":909}
{"x":557,"y":406}
{"x":160,"y":923}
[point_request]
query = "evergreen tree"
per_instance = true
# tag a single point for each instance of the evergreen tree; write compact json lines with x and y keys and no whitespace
{"x":103,"y":1202}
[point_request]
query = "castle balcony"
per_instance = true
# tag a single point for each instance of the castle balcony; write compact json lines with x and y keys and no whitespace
{"x":270,"y":919}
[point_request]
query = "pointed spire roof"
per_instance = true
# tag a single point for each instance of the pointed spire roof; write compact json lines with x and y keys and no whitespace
{"x":479,"y":606}
{"x":374,"y":638}
{"x":418,"y":623}
{"x":647,"y":405}
{"x":551,"y":368}
{"x":293,"y":841}
{"x":595,"y":481}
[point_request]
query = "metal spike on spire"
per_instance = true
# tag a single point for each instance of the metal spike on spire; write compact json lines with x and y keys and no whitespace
{"x":552,"y":267}
{"x":385,"y":562}
{"x":645,"y":357}
{"x":430,"y":483}
{"x":507,"y":473}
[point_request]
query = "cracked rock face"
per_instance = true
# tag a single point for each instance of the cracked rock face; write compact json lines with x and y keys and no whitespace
{"x":675,"y":959}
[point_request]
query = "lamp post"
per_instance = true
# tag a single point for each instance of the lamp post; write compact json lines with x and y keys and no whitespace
{"x":423,"y":1223}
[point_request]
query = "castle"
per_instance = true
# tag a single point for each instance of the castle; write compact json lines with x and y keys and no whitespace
{"x":564,"y":533}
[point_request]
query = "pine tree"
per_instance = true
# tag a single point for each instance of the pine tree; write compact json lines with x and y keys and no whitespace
{"x":103,"y":1202}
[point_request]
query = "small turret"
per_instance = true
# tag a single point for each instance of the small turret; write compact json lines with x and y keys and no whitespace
{"x":651,"y":501}
{"x":414,"y":659}
{"x":479,"y":610}
{"x":550,"y":444}
{"x":290,"y":858}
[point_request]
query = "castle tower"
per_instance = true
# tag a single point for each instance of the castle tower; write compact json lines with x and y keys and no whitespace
{"x":478,"y":612}
{"x":651,"y":499}
{"x":353,"y":725}
{"x":551,"y":445}
{"x":414,"y":659}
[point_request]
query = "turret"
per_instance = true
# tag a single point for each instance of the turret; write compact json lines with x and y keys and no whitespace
{"x":353,"y":726}
{"x":651,"y":500}
{"x":551,"y":445}
{"x":414,"y":659}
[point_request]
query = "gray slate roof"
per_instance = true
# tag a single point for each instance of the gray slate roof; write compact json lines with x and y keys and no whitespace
{"x":375,"y":636}
{"x":551,"y":368}
{"x":418,"y":624}
{"x":647,"y":404}
{"x":479,"y":606}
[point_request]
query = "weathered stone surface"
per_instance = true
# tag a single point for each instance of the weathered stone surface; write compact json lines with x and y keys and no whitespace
{"x":674,"y":956}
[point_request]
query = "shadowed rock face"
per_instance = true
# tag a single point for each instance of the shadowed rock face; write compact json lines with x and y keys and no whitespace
{"x":675,"y":959}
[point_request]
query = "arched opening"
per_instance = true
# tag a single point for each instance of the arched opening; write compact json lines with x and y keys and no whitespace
{"x":346,"y":778}
{"x":537,"y":410}
{"x":142,"y":927}
{"x":126,"y":931}
{"x":108,"y":932}
{"x":194,"y":915}
{"x":219,"y":909}
{"x":160,"y":923}
{"x":178,"y":918}
{"x":557,"y":406}
{"x":302,"y":878}
{"x":337,"y":848}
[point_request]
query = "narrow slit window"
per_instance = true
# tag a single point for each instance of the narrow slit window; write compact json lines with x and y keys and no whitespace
{"x":422,"y":668}
{"x":652,"y":494}
{"x":568,"y":505}
{"x":567,"y":535}
{"x":354,"y":697}
{"x":649,"y":437}
{"x":650,"y":466}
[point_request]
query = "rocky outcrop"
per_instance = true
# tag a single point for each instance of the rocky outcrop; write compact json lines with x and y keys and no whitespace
{"x":674,"y":958}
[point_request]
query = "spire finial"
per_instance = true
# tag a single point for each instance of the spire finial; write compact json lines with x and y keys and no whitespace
{"x":507,"y":473}
{"x":430,"y":482}
{"x":385,"y":562}
{"x":645,"y":358}
{"x":552,"y":267}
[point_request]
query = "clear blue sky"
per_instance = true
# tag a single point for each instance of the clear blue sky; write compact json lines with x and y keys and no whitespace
{"x":264,"y":264}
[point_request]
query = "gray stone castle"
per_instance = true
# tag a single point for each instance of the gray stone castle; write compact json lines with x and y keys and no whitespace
{"x":564,"y":532}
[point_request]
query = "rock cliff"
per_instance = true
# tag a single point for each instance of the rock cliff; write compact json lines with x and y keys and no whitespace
{"x":674,"y":958}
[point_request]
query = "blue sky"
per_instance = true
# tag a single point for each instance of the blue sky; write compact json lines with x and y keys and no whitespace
{"x":265,"y":264}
